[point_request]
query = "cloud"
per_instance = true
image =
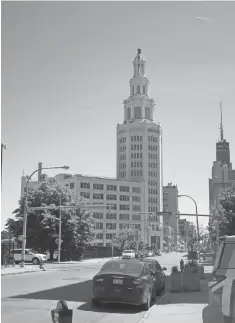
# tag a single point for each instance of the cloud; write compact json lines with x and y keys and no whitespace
{"x":203,"y":18}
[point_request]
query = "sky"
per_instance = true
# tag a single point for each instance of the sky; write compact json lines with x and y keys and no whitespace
{"x":66,"y":68}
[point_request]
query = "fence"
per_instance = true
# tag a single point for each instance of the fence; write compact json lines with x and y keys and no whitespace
{"x":7,"y":249}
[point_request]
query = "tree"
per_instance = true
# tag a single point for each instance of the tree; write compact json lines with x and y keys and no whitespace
{"x":77,"y":224}
{"x":227,"y":212}
{"x":128,"y":238}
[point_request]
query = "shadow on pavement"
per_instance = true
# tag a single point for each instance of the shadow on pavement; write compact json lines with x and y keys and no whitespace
{"x":110,"y":308}
{"x":79,"y":292}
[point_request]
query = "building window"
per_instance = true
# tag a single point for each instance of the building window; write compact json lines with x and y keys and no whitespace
{"x":147,"y":113}
{"x":112,"y":206}
{"x":86,"y":195}
{"x":85,"y":185}
{"x":136,"y":217}
{"x":98,"y":186}
{"x":143,"y":89}
{"x":111,"y":226}
{"x":137,"y":112}
{"x":112,"y":216}
{"x":128,"y":113}
{"x":138,"y":89}
{"x":72,"y":185}
{"x":99,"y":235}
{"x":110,"y":236}
{"x":111,"y":187}
{"x":124,"y":216}
{"x":99,"y":226}
{"x":124,"y":207}
{"x":133,"y":90}
{"x":136,"y":189}
{"x":112,"y":197}
{"x":136,"y":208}
{"x":124,"y":198}
{"x":136,"y":199}
{"x":98,"y":196}
{"x":124,"y":189}
{"x":98,"y":215}
{"x":138,"y":226}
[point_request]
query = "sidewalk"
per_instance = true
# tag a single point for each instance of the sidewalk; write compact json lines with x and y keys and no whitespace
{"x":185,"y":307}
{"x":49,"y":266}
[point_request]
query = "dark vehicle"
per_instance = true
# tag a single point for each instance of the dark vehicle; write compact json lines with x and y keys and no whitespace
{"x":158,"y":274}
{"x":124,"y":281}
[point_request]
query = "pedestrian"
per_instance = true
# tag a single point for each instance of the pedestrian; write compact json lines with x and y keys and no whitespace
{"x":182,"y":265}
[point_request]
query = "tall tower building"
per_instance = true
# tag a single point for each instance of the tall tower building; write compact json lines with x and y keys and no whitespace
{"x":139,"y":146}
{"x":222,"y":146}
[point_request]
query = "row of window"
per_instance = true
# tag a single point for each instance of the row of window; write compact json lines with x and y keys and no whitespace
{"x":153,"y":200}
{"x":152,"y":165}
{"x":138,"y":89}
{"x":138,"y":113}
{"x":123,"y":217}
{"x":137,"y":147}
{"x":154,"y":130}
{"x":136,"y":164}
{"x":152,"y":174}
{"x":152,"y":191}
{"x":152,"y":139}
{"x":122,"y":157}
{"x":152,"y":182}
{"x":152,"y":209}
{"x":122,"y":165}
{"x":110,"y":187}
{"x":122,"y":174}
{"x":122,"y":148}
{"x":152,"y":147}
{"x":136,"y":172}
{"x":109,"y":236}
{"x":113,"y":226}
{"x":136,"y":155}
{"x":152,"y":156}
{"x":136,"y":138}
{"x":122,"y":140}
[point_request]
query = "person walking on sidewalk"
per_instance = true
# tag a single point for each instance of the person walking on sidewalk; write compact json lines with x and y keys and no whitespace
{"x":181,"y":265}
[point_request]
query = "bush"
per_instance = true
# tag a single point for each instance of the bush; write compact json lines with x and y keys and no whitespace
{"x":174,"y":269}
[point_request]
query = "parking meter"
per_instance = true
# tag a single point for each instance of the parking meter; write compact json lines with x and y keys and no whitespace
{"x":62,"y":314}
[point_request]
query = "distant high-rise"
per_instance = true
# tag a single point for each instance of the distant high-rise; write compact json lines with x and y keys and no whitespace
{"x":222,"y":146}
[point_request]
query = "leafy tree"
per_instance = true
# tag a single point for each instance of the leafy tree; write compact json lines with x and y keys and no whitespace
{"x":77,"y":225}
{"x":227,"y":212}
{"x":128,"y":238}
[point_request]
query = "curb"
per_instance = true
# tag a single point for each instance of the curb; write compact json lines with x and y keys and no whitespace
{"x":144,"y":318}
{"x":22,"y":272}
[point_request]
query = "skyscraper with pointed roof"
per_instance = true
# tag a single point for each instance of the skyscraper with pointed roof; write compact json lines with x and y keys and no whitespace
{"x":222,"y":146}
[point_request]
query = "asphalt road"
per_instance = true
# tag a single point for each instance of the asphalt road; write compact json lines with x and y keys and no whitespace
{"x":31,"y":297}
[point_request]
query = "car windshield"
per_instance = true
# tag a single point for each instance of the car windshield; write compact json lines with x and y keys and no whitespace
{"x":33,"y":251}
{"x":128,"y":251}
{"x":122,"y":267}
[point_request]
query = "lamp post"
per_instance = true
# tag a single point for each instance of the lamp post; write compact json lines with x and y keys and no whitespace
{"x":25,"y":210}
{"x":198,"y":233}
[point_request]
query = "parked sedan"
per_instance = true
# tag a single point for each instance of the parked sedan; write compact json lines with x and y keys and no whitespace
{"x":158,"y":274}
{"x":124,"y":281}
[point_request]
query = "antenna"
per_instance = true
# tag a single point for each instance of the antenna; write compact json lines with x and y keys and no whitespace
{"x":221,"y":123}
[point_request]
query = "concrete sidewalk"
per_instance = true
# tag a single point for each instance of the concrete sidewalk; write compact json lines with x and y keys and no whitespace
{"x":185,"y":307}
{"x":19,"y":270}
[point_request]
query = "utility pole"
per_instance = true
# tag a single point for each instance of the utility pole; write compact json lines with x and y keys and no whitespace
{"x":60,"y":219}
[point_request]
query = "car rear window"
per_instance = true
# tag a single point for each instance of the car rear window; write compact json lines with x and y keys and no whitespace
{"x":122,"y":267}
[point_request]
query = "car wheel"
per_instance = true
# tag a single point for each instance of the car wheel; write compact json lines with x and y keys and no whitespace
{"x":95,"y":302}
{"x":147,"y":305}
{"x":35,"y":261}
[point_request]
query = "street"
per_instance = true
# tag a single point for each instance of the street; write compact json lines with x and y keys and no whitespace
{"x":31,"y":297}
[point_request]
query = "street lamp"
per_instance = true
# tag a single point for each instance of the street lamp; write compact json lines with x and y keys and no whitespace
{"x":198,"y":234}
{"x":25,"y":209}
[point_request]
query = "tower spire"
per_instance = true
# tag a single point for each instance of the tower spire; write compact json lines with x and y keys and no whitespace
{"x":221,"y":123}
